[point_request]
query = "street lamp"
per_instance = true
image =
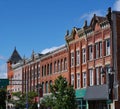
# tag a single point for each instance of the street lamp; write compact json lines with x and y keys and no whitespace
{"x":110,"y":81}
{"x":39,"y":88}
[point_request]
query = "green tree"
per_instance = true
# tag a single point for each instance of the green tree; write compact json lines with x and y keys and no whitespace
{"x":22,"y":99}
{"x":63,"y":95}
{"x":2,"y":98}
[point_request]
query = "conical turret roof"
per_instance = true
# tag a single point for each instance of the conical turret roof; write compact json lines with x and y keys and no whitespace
{"x":15,"y":57}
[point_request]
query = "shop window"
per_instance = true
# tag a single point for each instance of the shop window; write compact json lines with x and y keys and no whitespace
{"x":81,"y":104}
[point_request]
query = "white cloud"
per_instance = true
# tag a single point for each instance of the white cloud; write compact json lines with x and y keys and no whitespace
{"x":50,"y":49}
{"x":2,"y":58}
{"x":3,"y":71}
{"x":116,"y":5}
{"x":88,"y":16}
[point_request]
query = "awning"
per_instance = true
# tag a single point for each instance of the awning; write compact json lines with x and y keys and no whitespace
{"x":99,"y":92}
{"x":80,"y":93}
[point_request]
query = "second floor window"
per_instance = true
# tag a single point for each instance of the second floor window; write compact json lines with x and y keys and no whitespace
{"x":107,"y":43}
{"x":58,"y":66}
{"x":78,"y":80}
{"x":83,"y":55}
{"x":97,"y":76}
{"x":72,"y":79}
{"x":84,"y":79}
{"x":97,"y":50}
{"x":90,"y":52}
{"x":100,"y":52}
{"x":91,"y":77}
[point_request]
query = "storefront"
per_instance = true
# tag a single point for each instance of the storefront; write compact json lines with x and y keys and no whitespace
{"x":98,"y":97}
{"x":81,"y":103}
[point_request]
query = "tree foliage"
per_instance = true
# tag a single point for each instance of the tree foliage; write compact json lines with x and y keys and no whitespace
{"x":2,"y":98}
{"x":63,"y":95}
{"x":22,"y":99}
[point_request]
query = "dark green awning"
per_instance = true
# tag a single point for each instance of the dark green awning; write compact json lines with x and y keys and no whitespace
{"x":80,"y":93}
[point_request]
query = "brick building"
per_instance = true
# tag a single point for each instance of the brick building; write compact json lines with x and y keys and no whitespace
{"x":44,"y":69}
{"x":94,"y":62}
{"x":89,"y":61}
{"x":12,"y":67}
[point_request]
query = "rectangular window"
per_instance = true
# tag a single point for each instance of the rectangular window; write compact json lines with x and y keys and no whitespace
{"x":83,"y":55}
{"x":101,"y":75}
{"x":84,"y":79}
{"x":77,"y":57}
{"x":90,"y":52}
{"x":78,"y":80}
{"x":62,"y":64}
{"x":100,"y":49}
{"x":97,"y":76}
{"x":72,"y":59}
{"x":65,"y":64}
{"x":72,"y":79}
{"x":107,"y":47}
{"x":96,"y":50}
{"x":91,"y":76}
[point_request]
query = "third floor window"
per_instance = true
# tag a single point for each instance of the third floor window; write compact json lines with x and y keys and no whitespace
{"x":72,"y":59}
{"x":77,"y":57}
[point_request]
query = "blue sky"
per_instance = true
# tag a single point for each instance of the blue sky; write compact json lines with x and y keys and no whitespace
{"x":42,"y":24}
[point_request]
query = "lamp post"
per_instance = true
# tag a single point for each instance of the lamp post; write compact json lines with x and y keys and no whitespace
{"x":110,"y":79}
{"x":26,"y":94}
{"x":39,"y":87}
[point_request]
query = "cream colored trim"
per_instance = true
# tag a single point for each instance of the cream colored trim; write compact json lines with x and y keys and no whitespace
{"x":72,"y":51}
{"x":107,"y":62}
{"x":98,"y":40}
{"x":98,"y":65}
{"x":107,"y":36}
{"x":84,"y":70}
{"x":91,"y":43}
{"x":90,"y":67}
{"x":72,"y":72}
{"x":84,"y":46}
{"x":77,"y":49}
{"x":78,"y":72}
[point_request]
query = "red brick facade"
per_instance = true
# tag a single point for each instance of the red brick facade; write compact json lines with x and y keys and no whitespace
{"x":45,"y":69}
{"x":89,"y":60}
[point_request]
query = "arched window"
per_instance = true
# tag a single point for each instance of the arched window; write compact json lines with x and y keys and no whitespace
{"x":50,"y":68}
{"x":43,"y":87}
{"x":58,"y":66}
